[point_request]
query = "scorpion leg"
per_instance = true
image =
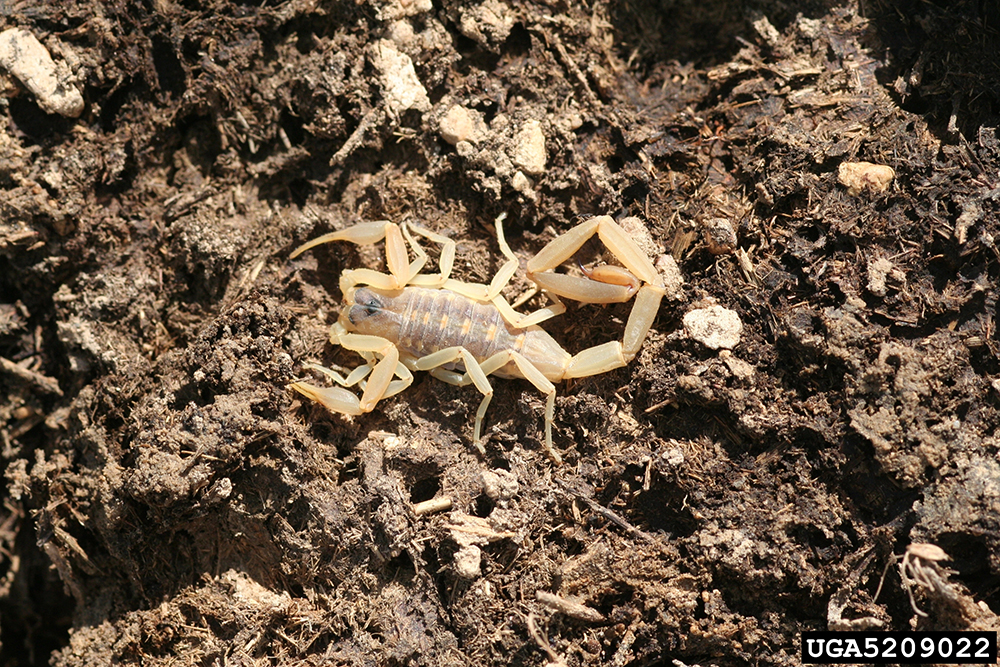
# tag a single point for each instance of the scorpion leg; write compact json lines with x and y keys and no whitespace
{"x":542,"y":384}
{"x":503,"y":277}
{"x":481,"y":292}
{"x":356,"y":376}
{"x":380,"y":383}
{"x":445,"y":262}
{"x":492,"y":291}
{"x":476,"y":373}
{"x":451,"y":377}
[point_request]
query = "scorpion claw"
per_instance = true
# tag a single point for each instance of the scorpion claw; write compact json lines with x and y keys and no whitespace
{"x":335,"y":399}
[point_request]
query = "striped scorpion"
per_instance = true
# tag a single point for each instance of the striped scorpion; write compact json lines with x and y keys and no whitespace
{"x":404,"y":321}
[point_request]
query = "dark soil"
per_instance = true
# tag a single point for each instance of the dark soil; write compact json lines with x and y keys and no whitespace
{"x":170,"y":501}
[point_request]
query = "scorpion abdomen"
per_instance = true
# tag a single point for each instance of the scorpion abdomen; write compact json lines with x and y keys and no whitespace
{"x":421,"y":321}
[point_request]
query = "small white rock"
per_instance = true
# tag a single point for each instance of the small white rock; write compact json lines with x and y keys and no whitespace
{"x":715,"y":327}
{"x":461,"y":124}
{"x":388,"y":10}
{"x":571,"y":122}
{"x":767,"y":31}
{"x":26,"y":58}
{"x":500,"y":484}
{"x":500,"y":123}
{"x":858,"y":176}
{"x":737,"y":367}
{"x":486,"y":22}
{"x":673,"y":456}
{"x":401,"y":87}
{"x":673,"y":279}
{"x":529,"y":148}
{"x":878,"y":269}
{"x":522,"y":184}
{"x":401,"y":33}
{"x":467,"y":561}
{"x":456,"y":126}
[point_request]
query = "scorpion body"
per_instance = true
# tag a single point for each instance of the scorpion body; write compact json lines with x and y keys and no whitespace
{"x":461,"y":333}
{"x":421,"y":321}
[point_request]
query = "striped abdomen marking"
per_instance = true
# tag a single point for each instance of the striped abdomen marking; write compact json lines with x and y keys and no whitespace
{"x":437,"y":319}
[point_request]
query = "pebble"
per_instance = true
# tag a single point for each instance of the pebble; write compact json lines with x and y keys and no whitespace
{"x":529,"y":148}
{"x":858,"y":176}
{"x":715,"y":327}
{"x":487,"y":22}
{"x":26,"y":58}
{"x":673,"y":279}
{"x":878,"y":270}
{"x":461,"y":124}
{"x":467,"y":562}
{"x":499,"y":484}
{"x":522,"y":184}
{"x":401,"y":87}
{"x":389,"y":10}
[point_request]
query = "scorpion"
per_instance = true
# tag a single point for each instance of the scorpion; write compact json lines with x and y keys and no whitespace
{"x":404,"y":321}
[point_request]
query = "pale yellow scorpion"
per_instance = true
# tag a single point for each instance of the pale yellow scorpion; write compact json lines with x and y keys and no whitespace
{"x":404,"y":321}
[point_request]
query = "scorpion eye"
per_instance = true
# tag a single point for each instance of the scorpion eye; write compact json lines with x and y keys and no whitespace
{"x":366,"y":305}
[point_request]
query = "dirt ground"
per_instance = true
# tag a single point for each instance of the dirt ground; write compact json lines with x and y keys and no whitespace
{"x":168,"y":500}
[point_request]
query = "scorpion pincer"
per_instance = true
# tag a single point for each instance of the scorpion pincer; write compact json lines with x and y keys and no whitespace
{"x":461,"y":333}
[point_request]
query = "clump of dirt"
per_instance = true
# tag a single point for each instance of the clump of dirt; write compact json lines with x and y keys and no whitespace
{"x":821,"y":185}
